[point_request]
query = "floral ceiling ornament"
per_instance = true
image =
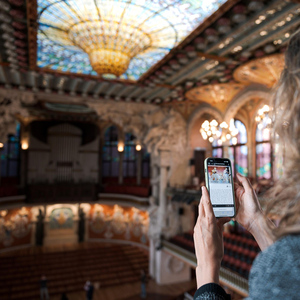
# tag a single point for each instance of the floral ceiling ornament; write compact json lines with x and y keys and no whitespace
{"x":218,"y":95}
{"x":265,"y":70}
{"x":115,"y":38}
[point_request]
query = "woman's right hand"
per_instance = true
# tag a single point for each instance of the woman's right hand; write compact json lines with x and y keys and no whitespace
{"x":249,"y":213}
{"x":248,"y":209}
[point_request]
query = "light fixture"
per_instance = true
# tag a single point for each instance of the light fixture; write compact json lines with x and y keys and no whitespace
{"x":138,"y":147}
{"x":120,"y":147}
{"x":262,"y":33}
{"x":1,"y":145}
{"x":263,"y":113}
{"x":212,"y":131}
{"x":24,"y":145}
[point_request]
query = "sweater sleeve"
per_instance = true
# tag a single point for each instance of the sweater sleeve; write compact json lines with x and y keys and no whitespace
{"x":211,"y":291}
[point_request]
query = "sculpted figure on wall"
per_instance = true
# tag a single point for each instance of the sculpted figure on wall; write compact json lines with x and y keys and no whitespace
{"x":12,"y":103}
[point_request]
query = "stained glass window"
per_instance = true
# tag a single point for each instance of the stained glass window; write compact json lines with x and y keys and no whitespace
{"x":124,"y":38}
{"x":238,"y":154}
{"x":130,"y":157}
{"x":110,"y":154}
{"x":10,"y":155}
{"x":263,"y":151}
{"x":217,"y":150}
{"x":145,"y":163}
{"x":268,"y":156}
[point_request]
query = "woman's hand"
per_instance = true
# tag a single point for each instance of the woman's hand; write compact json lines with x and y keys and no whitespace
{"x":249,"y":213}
{"x":208,"y":241}
{"x":248,"y":209}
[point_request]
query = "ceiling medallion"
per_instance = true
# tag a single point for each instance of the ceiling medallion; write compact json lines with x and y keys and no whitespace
{"x":265,"y":70}
{"x":215,"y":93}
{"x":114,"y":37}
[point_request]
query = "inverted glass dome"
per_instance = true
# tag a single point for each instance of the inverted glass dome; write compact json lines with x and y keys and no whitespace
{"x":114,"y":38}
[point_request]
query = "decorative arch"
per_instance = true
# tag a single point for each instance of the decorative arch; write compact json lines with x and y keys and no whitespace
{"x":108,"y":125}
{"x":242,"y":98}
{"x":199,"y":112}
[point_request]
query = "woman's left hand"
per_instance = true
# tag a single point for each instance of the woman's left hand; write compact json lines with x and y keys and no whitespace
{"x":208,"y":241}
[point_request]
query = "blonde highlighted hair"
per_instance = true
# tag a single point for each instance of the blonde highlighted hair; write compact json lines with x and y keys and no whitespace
{"x":286,"y":116}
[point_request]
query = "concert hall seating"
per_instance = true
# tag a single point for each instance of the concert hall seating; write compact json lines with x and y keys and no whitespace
{"x":240,"y":249}
{"x":69,"y":270}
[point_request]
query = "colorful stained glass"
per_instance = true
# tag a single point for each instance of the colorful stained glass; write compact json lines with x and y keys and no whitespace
{"x":217,"y":152}
{"x":263,"y":150}
{"x":110,"y":154}
{"x":263,"y":161}
{"x":238,"y":154}
{"x":114,"y":38}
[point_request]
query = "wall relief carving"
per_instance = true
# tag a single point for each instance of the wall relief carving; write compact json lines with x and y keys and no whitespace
{"x":13,"y":103}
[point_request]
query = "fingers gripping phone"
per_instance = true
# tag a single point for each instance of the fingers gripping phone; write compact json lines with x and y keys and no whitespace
{"x":219,"y":183}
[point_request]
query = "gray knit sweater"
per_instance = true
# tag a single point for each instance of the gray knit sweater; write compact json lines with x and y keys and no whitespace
{"x":275,"y":274}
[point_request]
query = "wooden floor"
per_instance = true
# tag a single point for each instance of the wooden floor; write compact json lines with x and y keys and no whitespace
{"x":132,"y":292}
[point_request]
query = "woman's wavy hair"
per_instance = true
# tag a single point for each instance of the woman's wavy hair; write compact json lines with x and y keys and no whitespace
{"x":286,"y":131}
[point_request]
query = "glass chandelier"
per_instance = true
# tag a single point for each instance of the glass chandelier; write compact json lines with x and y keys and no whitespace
{"x":263,"y":117}
{"x":221,"y":133}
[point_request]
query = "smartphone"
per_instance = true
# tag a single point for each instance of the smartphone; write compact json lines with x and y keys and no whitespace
{"x":219,"y":183}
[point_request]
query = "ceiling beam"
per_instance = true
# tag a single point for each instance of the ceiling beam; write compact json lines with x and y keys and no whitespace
{"x":87,"y":87}
{"x":99,"y":88}
{"x":73,"y":86}
{"x":212,"y":56}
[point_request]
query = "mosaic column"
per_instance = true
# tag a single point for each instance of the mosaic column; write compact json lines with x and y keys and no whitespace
{"x":163,"y":180}
{"x":139,"y":168}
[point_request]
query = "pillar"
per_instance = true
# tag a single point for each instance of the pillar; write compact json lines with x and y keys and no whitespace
{"x":162,"y":196}
{"x":155,"y":181}
{"x":121,"y":167}
{"x":139,"y":168}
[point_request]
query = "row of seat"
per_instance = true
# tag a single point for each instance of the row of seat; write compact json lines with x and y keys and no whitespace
{"x":68,"y":271}
{"x":244,"y":240}
{"x":239,"y":250}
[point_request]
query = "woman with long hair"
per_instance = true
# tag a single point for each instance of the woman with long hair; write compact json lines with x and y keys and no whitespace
{"x":275,"y":273}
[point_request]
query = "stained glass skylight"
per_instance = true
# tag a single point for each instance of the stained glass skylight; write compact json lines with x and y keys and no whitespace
{"x":114,"y":38}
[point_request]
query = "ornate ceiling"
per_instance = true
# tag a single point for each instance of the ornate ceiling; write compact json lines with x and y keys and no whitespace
{"x":229,"y":47}
{"x":265,"y":70}
{"x":114,"y":38}
{"x":215,"y":94}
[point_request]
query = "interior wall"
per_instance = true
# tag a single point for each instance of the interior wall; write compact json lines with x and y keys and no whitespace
{"x":15,"y":228}
{"x":114,"y":222}
{"x":65,"y":223}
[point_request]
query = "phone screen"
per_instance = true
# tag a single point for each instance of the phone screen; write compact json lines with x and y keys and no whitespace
{"x":220,"y":186}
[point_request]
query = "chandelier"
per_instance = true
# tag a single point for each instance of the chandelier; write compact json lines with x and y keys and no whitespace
{"x":262,"y":118}
{"x":109,"y":44}
{"x":118,"y":36}
{"x":220,"y":133}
